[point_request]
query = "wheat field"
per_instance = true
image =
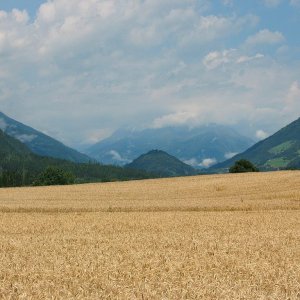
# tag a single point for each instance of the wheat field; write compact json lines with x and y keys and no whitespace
{"x":202,"y":237}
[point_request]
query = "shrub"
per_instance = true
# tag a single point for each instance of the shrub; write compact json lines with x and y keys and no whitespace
{"x":243,"y":166}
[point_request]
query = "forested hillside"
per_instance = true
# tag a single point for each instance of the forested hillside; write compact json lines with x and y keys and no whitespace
{"x":162,"y":164}
{"x":38,"y":142}
{"x":279,"y":151}
{"x":20,"y":167}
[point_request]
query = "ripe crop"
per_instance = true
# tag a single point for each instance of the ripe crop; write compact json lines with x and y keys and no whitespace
{"x":204,"y":237}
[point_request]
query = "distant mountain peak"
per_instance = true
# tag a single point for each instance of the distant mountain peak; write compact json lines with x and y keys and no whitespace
{"x":161,"y":163}
{"x":197,"y":144}
{"x":156,"y":151}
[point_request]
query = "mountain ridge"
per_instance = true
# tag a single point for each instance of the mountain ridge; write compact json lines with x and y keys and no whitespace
{"x":281,"y":150}
{"x":20,"y":167}
{"x":11,"y":146}
{"x":38,"y":142}
{"x":192,"y":145}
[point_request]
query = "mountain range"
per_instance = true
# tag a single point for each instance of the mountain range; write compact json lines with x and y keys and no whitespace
{"x":162,"y":164}
{"x":19,"y":166}
{"x":199,"y":147}
{"x":279,"y":151}
{"x":25,"y":152}
{"x":38,"y":142}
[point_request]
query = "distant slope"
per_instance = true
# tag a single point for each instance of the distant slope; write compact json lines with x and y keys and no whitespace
{"x":11,"y":147}
{"x":161,"y":163}
{"x":19,"y":166}
{"x":213,"y":142}
{"x":38,"y":142}
{"x":279,"y":151}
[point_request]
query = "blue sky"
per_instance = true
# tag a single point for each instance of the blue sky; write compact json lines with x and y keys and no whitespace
{"x":79,"y":70}
{"x":31,"y":6}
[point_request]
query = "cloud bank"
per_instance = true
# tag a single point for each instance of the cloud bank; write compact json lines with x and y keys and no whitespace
{"x":82,"y":68}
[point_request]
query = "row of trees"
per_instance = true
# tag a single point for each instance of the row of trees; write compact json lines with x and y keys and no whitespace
{"x":66,"y":173}
{"x":50,"y":176}
{"x":55,"y":175}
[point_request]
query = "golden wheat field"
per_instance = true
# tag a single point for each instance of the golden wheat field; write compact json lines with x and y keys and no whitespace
{"x":203,"y":237}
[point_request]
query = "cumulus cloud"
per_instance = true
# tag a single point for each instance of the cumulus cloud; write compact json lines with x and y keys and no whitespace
{"x":13,"y":31}
{"x":261,"y":134}
{"x":265,"y":36}
{"x":141,"y":63}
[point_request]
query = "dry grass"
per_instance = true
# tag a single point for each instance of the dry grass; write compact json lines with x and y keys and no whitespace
{"x":209,"y":237}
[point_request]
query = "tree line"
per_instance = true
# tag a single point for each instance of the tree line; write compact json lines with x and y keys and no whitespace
{"x":36,"y":170}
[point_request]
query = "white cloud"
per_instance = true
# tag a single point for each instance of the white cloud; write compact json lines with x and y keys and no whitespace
{"x":209,"y":28}
{"x":25,"y":138}
{"x":20,"y":16}
{"x":149,"y":36}
{"x":215,"y":59}
{"x":261,"y":134}
{"x":13,"y":31}
{"x":116,"y":156}
{"x":246,"y":58}
{"x":205,"y":163}
{"x":229,"y":155}
{"x":46,"y":13}
{"x":192,"y":162}
{"x":265,"y":36}
{"x":96,"y":135}
{"x":3,"y":124}
{"x":208,"y":162}
{"x":85,"y":64}
{"x":175,"y":119}
{"x":292,"y":100}
{"x":293,"y":95}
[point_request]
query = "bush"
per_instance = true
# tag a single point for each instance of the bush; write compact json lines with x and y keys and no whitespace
{"x":243,"y":166}
{"x":54,"y":176}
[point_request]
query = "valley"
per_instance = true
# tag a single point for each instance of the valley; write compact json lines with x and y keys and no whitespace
{"x":149,"y":150}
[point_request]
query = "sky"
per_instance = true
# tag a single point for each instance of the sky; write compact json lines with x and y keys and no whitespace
{"x":79,"y":70}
